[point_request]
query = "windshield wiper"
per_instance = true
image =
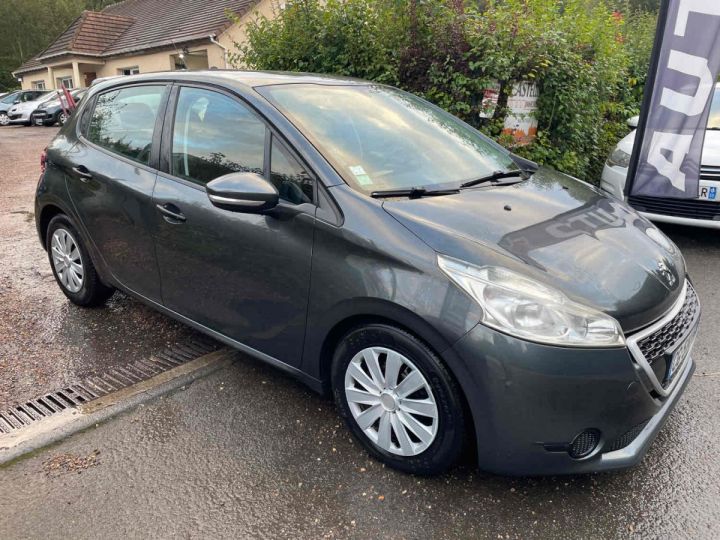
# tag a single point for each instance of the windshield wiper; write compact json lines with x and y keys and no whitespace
{"x":412,"y":193}
{"x":494,"y":177}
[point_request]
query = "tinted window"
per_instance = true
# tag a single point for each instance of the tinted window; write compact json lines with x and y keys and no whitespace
{"x":215,"y":135}
{"x":123,"y":121}
{"x":290,"y":178}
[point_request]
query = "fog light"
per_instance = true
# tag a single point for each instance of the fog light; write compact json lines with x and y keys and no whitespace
{"x":584,"y":443}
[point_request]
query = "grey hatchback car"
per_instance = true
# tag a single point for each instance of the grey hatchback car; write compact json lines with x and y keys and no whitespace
{"x":447,"y":293}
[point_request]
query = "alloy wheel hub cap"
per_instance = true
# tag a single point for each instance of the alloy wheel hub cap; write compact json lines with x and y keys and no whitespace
{"x":391,"y":401}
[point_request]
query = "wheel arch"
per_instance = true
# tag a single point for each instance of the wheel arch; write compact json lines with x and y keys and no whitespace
{"x":357,"y":312}
{"x":384,"y":312}
{"x":48,"y":212}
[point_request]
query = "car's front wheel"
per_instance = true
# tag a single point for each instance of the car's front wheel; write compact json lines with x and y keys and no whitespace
{"x":71,"y":264}
{"x":4,"y":119}
{"x":398,"y":399}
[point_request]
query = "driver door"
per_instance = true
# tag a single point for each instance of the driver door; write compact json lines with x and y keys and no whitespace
{"x":246,"y":276}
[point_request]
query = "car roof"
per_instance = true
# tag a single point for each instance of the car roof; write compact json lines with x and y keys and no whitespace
{"x":233,"y":77}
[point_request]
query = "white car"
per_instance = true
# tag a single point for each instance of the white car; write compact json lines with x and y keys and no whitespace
{"x":701,"y":212}
{"x":20,"y":113}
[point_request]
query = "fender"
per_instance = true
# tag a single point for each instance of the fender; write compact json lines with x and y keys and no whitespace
{"x":321,"y":332}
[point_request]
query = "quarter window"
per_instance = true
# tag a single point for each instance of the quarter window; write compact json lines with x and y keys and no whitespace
{"x":124,"y":120}
{"x":290,"y":178}
{"x":215,"y":135}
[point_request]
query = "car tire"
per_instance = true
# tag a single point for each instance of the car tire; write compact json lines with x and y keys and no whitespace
{"x":4,"y":119}
{"x":72,"y":266}
{"x":401,"y":436}
{"x":62,"y":118}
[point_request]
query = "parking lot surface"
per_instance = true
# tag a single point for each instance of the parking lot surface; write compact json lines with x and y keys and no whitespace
{"x":46,"y":342}
{"x":248,"y":452}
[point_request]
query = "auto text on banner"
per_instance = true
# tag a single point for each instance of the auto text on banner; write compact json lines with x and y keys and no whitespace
{"x":685,"y":65}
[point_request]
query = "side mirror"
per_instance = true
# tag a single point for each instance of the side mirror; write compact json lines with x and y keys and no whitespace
{"x":16,"y":102}
{"x":242,"y":192}
{"x":633,"y":121}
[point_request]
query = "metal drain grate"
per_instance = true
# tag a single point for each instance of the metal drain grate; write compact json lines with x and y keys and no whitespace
{"x":23,"y":415}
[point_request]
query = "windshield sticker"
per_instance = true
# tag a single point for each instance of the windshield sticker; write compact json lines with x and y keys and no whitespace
{"x":360,"y":175}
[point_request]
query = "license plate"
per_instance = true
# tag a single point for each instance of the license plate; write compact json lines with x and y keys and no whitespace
{"x":38,"y":121}
{"x":709,"y":190}
{"x":681,"y":354}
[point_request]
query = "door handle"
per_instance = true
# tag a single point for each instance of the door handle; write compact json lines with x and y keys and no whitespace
{"x":171,"y":213}
{"x":82,"y":172}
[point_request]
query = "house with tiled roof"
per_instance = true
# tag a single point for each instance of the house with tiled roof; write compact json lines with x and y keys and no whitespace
{"x":141,"y":36}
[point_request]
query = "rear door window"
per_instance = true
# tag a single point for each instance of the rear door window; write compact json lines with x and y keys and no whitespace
{"x":123,"y":121}
{"x":215,"y":135}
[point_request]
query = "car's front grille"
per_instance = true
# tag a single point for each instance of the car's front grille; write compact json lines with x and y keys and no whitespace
{"x":685,"y":208}
{"x":708,"y":172}
{"x":655,"y":345}
{"x":662,"y":350}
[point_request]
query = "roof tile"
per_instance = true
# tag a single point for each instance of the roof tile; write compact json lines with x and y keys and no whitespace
{"x":136,"y":25}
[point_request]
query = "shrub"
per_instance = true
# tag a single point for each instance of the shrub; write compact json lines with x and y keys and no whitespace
{"x":589,"y":61}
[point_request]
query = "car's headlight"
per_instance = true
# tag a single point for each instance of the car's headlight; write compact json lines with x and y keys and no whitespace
{"x":619,"y":158}
{"x":525,"y":308}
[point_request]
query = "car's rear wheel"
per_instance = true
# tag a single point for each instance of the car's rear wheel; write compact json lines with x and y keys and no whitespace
{"x":398,"y":399}
{"x":62,"y":118}
{"x":71,"y":264}
{"x":4,"y":119}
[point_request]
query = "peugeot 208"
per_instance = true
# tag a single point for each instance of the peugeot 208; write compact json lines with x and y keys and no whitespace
{"x":442,"y":289}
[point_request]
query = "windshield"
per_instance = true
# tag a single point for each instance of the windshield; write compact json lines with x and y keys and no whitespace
{"x":10,"y":98}
{"x":714,"y":119}
{"x":380,"y":138}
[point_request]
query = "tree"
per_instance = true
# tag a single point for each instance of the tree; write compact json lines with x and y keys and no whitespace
{"x":29,"y":26}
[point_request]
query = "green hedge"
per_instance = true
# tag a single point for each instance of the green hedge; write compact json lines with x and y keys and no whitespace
{"x":589,"y":61}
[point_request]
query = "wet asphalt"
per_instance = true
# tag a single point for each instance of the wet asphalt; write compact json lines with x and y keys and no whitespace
{"x":249,"y":452}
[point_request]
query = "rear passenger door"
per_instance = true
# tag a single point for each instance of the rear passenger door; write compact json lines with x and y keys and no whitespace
{"x":111,"y":179}
{"x":246,"y":276}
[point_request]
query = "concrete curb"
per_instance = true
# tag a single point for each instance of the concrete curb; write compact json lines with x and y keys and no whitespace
{"x":70,"y":421}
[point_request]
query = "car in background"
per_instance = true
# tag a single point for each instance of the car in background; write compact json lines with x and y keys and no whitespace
{"x":11,"y":99}
{"x":55,"y":111}
{"x":20,"y":112}
{"x":704,"y":211}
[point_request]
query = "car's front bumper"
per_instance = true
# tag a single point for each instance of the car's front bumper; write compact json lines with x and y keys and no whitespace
{"x":529,"y":401}
{"x":613,"y":182}
{"x":19,"y":118}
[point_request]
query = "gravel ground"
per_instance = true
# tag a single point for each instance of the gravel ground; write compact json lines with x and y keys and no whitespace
{"x":45,"y":341}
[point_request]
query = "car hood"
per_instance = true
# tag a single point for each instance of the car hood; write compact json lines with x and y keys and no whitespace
{"x":711,"y":146}
{"x":561,"y":231}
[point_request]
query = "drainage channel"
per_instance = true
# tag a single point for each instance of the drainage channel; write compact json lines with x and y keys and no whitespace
{"x":25,"y":414}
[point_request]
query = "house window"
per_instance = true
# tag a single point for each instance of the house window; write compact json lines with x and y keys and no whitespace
{"x":65,"y":82}
{"x":129,"y":71}
{"x":38,"y":85}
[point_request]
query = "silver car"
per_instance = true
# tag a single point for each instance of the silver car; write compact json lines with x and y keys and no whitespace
{"x":701,"y":212}
{"x":20,"y":113}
